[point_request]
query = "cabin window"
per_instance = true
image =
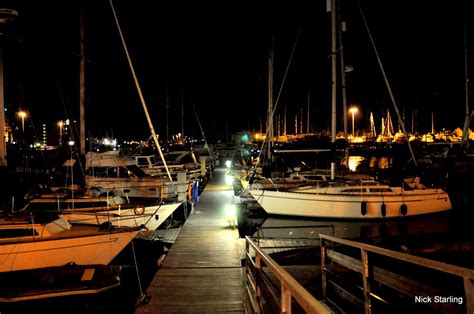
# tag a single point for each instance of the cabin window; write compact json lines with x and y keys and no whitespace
{"x":320,"y":178}
{"x":102,"y":172}
{"x":153,"y":160}
{"x":135,"y":171}
{"x":354,"y":190}
{"x":142,"y":162}
{"x":188,"y":159}
{"x":122,"y":173}
{"x":15,"y":233}
{"x":368,"y":183}
{"x":381,"y":190}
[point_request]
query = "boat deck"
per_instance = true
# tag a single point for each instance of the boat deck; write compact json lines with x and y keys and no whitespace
{"x":202,"y":272}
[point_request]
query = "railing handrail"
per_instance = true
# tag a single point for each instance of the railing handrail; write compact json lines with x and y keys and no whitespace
{"x":301,"y":295}
{"x":421,"y":261}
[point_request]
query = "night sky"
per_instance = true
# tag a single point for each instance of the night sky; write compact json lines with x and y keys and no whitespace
{"x":214,"y":55}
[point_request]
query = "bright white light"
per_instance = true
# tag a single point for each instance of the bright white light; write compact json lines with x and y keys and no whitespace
{"x":354,"y":162}
{"x":71,"y":143}
{"x":230,"y":210}
{"x":229,"y":180}
{"x":228,"y":163}
{"x":230,"y":213}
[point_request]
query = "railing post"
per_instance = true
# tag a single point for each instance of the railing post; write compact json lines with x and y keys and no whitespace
{"x":323,"y":268}
{"x":247,"y":256}
{"x":258,"y":291}
{"x":469,"y":292}
{"x":285,"y":299}
{"x":366,"y":280}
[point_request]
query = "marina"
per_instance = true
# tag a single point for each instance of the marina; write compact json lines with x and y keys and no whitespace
{"x":207,"y":274}
{"x":170,"y":158}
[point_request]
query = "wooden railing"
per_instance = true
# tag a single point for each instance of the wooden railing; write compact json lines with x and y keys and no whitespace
{"x":260,"y":231}
{"x":258,"y":290}
{"x":395,"y":281}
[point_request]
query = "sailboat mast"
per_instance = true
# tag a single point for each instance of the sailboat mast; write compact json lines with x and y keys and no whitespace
{"x":10,"y":16}
{"x":307,"y":115}
{"x":139,"y":90}
{"x":334,"y":81}
{"x":296,"y":124}
{"x":167,"y":107}
{"x":387,"y":83}
{"x":373,"y":131}
{"x":342,"y":28}
{"x":182,"y":111}
{"x":82,"y":119}
{"x":3,"y":161}
{"x":432,"y":123}
{"x":278,"y":126}
{"x":270,"y":103}
{"x":465,"y":129}
{"x":301,"y":120}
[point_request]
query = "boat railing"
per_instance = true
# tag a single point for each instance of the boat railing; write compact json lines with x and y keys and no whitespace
{"x":273,"y":183}
{"x":396,"y":281}
{"x":257,"y":286}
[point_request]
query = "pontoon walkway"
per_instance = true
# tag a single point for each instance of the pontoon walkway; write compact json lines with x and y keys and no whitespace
{"x":202,"y":272}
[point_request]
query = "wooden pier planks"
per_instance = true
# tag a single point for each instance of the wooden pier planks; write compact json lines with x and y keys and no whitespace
{"x":202,"y":272}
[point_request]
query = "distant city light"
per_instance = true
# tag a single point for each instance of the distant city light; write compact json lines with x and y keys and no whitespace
{"x":22,"y":115}
{"x":108,"y":142}
{"x":353,"y":110}
{"x":354,"y":162}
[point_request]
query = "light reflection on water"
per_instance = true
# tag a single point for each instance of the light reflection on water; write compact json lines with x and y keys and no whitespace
{"x":381,"y":162}
{"x":351,"y":229}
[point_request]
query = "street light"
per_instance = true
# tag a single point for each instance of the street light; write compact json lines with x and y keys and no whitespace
{"x":353,"y":110}
{"x":22,"y":115}
{"x":60,"y":124}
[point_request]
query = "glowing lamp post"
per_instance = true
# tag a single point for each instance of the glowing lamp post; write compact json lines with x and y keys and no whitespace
{"x":353,"y":110}
{"x":61,"y":125}
{"x":22,"y":115}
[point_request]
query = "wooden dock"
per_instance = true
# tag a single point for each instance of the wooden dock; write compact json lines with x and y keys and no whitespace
{"x":202,"y":272}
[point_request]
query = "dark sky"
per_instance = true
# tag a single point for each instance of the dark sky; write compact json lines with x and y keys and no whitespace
{"x":217,"y":54}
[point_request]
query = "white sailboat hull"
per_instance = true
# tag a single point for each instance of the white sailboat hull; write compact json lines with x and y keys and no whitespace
{"x":58,"y":251}
{"x":151,"y":217}
{"x":352,"y":206}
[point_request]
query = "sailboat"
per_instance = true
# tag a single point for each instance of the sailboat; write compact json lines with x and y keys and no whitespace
{"x":387,"y":131}
{"x":359,"y":199}
{"x":111,"y":172}
{"x":26,"y":244}
{"x":93,"y":210}
{"x":352,"y":199}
